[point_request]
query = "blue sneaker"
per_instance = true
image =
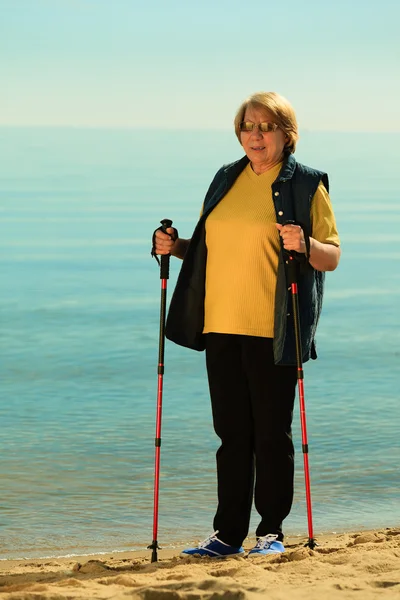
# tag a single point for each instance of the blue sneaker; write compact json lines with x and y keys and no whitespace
{"x":267,"y":544}
{"x":214,"y":548}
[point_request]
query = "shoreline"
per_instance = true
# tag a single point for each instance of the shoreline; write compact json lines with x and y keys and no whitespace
{"x":367,"y":562}
{"x":177,"y":544}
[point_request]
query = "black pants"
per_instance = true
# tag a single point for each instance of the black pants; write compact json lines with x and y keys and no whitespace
{"x":252,"y":403}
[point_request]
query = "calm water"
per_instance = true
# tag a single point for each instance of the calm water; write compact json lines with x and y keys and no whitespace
{"x":79,"y":313}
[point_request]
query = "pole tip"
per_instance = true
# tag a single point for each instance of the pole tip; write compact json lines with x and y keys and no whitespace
{"x":154,"y":547}
{"x":311,"y":543}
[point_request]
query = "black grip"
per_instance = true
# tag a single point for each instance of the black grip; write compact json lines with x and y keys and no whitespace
{"x":164,"y":269}
{"x":290,"y":259}
{"x":299,"y":256}
{"x":292,"y":269}
{"x":291,"y":253}
{"x":165,"y":258}
{"x":165,"y":224}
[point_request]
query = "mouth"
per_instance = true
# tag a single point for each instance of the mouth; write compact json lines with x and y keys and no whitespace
{"x":258,"y":148}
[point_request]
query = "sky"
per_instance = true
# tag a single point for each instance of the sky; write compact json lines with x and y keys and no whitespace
{"x":189,"y":64}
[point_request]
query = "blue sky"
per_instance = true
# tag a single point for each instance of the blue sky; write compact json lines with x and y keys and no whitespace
{"x":177,"y":63}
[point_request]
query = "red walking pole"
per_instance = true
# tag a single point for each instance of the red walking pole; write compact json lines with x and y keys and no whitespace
{"x":164,"y":276}
{"x":292,"y":273}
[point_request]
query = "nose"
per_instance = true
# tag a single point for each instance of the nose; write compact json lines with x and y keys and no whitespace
{"x":256,"y":133}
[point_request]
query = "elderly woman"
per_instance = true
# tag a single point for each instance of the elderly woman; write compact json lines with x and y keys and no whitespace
{"x":232,"y":300}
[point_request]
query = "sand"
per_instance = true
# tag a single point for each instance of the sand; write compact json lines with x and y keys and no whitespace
{"x":362,"y":565}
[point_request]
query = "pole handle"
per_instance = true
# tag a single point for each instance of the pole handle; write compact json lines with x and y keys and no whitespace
{"x":164,"y":264}
{"x":164,"y":267}
{"x":291,"y":259}
{"x":165,"y":258}
{"x":299,"y":257}
{"x":292,"y":268}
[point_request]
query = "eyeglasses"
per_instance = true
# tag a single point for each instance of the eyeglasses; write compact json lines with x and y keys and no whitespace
{"x":265,"y":127}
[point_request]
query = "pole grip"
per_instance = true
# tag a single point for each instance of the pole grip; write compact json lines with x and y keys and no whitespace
{"x":291,"y":260}
{"x":298,"y":257}
{"x":292,"y":268}
{"x":165,"y":258}
{"x":164,"y":268}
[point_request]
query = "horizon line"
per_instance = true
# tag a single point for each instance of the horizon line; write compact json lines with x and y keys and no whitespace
{"x":166,"y":128}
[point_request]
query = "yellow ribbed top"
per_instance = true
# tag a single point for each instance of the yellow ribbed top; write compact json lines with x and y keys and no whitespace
{"x":243,"y":249}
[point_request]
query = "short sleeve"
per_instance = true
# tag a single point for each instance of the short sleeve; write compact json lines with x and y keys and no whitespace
{"x":323,"y":223}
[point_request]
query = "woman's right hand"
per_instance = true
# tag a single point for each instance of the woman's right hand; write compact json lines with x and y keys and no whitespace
{"x":164,"y":242}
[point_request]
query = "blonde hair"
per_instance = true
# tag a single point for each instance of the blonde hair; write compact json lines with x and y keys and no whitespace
{"x":281,"y":110}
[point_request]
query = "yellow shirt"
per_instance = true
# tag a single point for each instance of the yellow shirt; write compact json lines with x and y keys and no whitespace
{"x":242,"y":254}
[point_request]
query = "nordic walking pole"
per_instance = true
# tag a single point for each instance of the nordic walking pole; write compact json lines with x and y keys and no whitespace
{"x":292,"y":275}
{"x":164,"y":276}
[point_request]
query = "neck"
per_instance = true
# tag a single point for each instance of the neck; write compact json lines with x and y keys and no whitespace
{"x":262,"y":168}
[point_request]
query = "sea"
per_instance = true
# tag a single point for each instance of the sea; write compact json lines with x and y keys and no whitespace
{"x":79,"y":334}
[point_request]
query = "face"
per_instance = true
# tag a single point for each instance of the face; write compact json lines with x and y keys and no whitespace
{"x":264,"y":150}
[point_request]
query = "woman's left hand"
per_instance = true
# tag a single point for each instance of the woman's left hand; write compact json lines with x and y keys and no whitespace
{"x":293,"y":237}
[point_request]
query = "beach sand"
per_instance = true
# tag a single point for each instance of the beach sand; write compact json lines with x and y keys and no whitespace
{"x":360,"y":565}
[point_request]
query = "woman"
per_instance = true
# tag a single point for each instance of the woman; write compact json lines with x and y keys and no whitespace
{"x":232,"y":300}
